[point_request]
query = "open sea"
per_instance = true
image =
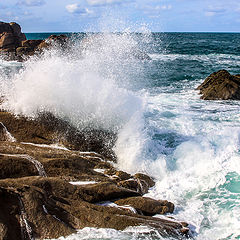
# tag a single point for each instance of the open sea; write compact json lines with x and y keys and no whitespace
{"x":190,"y":146}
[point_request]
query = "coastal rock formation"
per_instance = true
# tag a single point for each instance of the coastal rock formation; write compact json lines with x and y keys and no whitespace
{"x":220,"y":85}
{"x":48,"y":190}
{"x":10,"y":36}
{"x":147,"y":206}
{"x":15,"y":46}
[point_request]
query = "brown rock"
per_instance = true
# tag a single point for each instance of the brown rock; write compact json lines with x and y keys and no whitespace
{"x":16,"y":29}
{"x":7,"y":40}
{"x":5,"y":27}
{"x":148,"y":206}
{"x":13,"y":167}
{"x":53,"y":208}
{"x":21,"y":51}
{"x":122,"y":175}
{"x":144,"y":181}
{"x":104,"y":191}
{"x":220,"y":85}
{"x":31,"y":43}
{"x":9,"y":215}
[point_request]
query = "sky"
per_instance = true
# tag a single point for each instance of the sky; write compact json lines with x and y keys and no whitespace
{"x":123,"y":15}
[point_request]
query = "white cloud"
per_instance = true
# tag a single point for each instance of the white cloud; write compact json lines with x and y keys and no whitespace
{"x":104,"y":2}
{"x":32,"y":3}
{"x":163,"y":7}
{"x":210,"y":14}
{"x":217,"y":10}
{"x":77,"y":9}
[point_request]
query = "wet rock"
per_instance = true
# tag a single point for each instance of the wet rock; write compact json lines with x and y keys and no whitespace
{"x":10,"y":227}
{"x":54,"y":208}
{"x":104,"y":191}
{"x":148,"y":180}
{"x":50,"y":205}
{"x":134,"y":184}
{"x":23,"y":51}
{"x":148,"y":206}
{"x":122,"y":175}
{"x":53,"y":40}
{"x":73,"y":168}
{"x":220,"y":85}
{"x":15,"y":167}
{"x":47,"y":129}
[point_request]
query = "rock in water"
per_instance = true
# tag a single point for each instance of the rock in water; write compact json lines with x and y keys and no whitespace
{"x":220,"y":85}
{"x":10,"y":35}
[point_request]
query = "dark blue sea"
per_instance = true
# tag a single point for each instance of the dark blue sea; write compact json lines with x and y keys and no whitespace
{"x":190,"y":146}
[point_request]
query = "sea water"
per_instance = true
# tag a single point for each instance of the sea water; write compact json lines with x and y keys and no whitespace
{"x":190,"y":146}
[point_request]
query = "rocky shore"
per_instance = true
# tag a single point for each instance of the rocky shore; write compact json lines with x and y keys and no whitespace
{"x":55,"y":179}
{"x":48,"y":191}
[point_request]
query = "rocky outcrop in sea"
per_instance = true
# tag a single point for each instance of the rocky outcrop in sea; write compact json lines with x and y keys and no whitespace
{"x":220,"y":85}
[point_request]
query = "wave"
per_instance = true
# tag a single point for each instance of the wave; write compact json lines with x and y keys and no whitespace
{"x":85,"y":85}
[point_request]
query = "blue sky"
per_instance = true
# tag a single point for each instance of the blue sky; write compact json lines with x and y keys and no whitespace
{"x":118,"y":15}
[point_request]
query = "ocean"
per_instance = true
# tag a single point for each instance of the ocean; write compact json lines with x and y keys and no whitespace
{"x":190,"y":146}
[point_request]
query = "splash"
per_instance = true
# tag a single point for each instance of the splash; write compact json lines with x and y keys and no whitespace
{"x":85,"y":84}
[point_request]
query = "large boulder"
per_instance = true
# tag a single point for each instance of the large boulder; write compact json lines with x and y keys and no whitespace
{"x":10,"y":35}
{"x":220,"y":85}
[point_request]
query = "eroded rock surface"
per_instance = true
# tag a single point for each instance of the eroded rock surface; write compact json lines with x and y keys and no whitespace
{"x":48,"y":191}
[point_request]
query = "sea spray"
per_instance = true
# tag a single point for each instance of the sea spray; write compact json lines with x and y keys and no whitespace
{"x":83,"y":86}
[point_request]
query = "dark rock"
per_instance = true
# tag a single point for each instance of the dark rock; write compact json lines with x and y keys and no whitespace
{"x":122,"y":175}
{"x":104,"y":191}
{"x":15,"y":167}
{"x":10,"y":227}
{"x":10,"y":35}
{"x":148,"y":180}
{"x":220,"y":85}
{"x":31,"y":43}
{"x":130,"y":184}
{"x":54,"y":40}
{"x":7,"y":41}
{"x":54,"y":208}
{"x":24,"y":51}
{"x":148,"y":206}
{"x":5,"y":27}
{"x":16,"y":29}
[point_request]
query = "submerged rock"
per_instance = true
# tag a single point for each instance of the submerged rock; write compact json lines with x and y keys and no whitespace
{"x":220,"y":85}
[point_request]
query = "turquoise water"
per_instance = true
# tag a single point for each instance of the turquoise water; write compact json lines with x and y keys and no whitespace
{"x":190,"y":146}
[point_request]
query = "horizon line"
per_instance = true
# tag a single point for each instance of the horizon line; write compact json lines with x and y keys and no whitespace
{"x":133,"y":32}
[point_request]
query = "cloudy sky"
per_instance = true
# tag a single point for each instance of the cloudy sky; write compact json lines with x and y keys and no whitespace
{"x":118,"y":15}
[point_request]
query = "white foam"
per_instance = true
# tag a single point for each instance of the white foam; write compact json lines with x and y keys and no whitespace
{"x":82,"y":182}
{"x":54,"y":146}
{"x":84,"y":89}
{"x":130,"y":233}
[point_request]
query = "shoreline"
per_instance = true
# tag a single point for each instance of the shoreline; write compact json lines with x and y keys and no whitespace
{"x":47,"y":192}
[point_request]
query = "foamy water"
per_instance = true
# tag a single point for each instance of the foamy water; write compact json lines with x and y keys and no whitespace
{"x":190,"y":146}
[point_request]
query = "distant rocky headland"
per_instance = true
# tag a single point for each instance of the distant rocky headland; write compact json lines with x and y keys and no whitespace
{"x":55,"y":179}
{"x":15,"y":46}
